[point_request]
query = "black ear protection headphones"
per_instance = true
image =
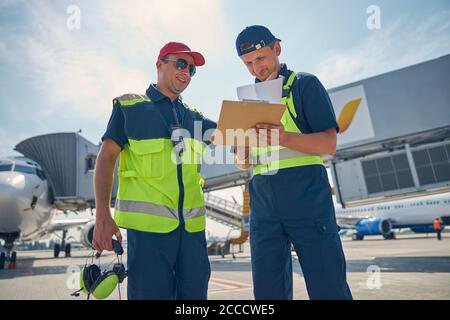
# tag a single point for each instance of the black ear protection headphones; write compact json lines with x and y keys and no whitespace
{"x":99,"y":283}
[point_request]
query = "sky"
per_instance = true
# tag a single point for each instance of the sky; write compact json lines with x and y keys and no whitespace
{"x":57,"y":78}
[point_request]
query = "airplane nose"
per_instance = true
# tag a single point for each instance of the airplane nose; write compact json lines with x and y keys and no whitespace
{"x":8,"y":185}
{"x":9,"y":209}
{"x":13,"y":180}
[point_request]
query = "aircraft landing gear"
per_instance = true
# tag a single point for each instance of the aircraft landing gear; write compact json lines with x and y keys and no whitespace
{"x":12,"y":261}
{"x":56,"y":250}
{"x":2,"y":260}
{"x":389,"y":236}
{"x":8,"y":256}
{"x":357,"y":237}
{"x":66,"y":247}
{"x":67,"y":250}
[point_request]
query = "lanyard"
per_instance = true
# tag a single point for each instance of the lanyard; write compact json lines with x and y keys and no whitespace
{"x":177,"y":140}
{"x":168,"y":125}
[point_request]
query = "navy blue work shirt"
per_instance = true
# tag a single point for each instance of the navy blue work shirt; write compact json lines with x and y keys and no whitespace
{"x":313,"y":105}
{"x":145,"y":122}
{"x":300,"y":192}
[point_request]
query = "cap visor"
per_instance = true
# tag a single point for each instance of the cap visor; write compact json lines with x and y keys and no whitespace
{"x":199,"y":60}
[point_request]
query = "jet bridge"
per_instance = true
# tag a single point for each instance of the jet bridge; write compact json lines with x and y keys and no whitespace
{"x":68,"y":161}
{"x":395,"y":135}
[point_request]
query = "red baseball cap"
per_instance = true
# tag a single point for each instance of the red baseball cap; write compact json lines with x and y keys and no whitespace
{"x":178,"y":47}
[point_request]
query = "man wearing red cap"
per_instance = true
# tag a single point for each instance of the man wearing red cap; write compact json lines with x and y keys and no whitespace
{"x":160,"y":198}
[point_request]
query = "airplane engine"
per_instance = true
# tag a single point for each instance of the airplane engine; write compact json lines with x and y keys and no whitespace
{"x":374,"y":226}
{"x":87,"y":235}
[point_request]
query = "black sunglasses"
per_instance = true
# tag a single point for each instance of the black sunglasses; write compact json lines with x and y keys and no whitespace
{"x":182,"y":64}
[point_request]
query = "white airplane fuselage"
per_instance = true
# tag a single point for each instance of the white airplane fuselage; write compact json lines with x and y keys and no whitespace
{"x":405,"y":213}
{"x":24,"y":200}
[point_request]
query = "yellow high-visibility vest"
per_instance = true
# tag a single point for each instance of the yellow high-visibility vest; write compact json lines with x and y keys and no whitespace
{"x":263,"y":157}
{"x":148,"y":192}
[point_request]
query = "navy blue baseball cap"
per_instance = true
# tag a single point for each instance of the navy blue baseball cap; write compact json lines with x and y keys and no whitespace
{"x":253,"y":38}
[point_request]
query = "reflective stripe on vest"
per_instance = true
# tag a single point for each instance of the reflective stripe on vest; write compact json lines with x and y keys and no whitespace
{"x":148,"y":193}
{"x":146,"y":207}
{"x":277,"y":154}
{"x":273,"y":158}
{"x":128,"y":100}
{"x":161,"y":211}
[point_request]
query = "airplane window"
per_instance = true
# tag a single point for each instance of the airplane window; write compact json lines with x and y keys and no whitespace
{"x":5,"y":167}
{"x":24,"y":169}
{"x":40,"y":174}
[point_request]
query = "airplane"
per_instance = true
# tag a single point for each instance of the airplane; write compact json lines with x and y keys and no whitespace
{"x":26,"y":209}
{"x":416,"y":214}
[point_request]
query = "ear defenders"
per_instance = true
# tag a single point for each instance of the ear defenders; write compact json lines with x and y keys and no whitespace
{"x":100,"y":284}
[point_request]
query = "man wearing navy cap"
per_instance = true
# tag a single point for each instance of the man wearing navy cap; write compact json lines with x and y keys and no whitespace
{"x":290,"y":196}
{"x":159,"y":199}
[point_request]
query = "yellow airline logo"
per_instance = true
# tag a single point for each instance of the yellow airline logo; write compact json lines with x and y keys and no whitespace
{"x":347,"y":114}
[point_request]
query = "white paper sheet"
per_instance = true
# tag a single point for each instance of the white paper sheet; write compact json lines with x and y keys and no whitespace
{"x":266,"y":91}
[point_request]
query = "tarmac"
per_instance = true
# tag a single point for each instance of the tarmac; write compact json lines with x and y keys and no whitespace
{"x":411,"y":267}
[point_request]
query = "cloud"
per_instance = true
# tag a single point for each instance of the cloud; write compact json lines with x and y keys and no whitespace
{"x":71,"y":77}
{"x":83,"y":70}
{"x":407,"y":42}
{"x":82,"y":81}
{"x":64,"y":80}
{"x":7,"y":4}
{"x":68,"y":70}
{"x":149,"y":24}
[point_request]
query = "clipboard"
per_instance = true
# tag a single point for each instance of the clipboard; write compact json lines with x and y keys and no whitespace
{"x":243,"y":115}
